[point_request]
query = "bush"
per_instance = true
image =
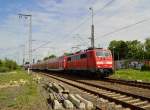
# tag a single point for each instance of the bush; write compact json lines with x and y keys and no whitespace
{"x":7,"y":65}
{"x":145,"y":68}
{"x":4,"y":69}
{"x":10,"y":64}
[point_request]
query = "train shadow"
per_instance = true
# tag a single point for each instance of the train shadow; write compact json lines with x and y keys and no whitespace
{"x":72,"y":75}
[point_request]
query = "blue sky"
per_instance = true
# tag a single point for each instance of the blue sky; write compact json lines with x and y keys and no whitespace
{"x":66,"y":23}
{"x":13,"y":6}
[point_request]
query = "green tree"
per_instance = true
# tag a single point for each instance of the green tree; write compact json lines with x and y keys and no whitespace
{"x":66,"y":54}
{"x":147,"y":48}
{"x":147,"y":44}
{"x":135,"y":50}
{"x":1,"y":63}
{"x":52,"y":56}
{"x":127,"y":50}
{"x":49,"y":57}
{"x":119,"y":48}
{"x":45,"y":58}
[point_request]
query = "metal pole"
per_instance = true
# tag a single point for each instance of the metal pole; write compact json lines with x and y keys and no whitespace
{"x":92,"y":30}
{"x":23,"y":50}
{"x":118,"y":56}
{"x":30,"y":35}
{"x":143,"y":52}
{"x":30,"y":40}
{"x":113,"y":54}
{"x":114,"y":59}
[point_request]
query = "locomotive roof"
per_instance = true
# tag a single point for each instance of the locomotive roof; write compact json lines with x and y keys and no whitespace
{"x":87,"y":50}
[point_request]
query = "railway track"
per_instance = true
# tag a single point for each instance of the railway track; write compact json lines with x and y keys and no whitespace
{"x":143,"y":85}
{"x":127,"y":100}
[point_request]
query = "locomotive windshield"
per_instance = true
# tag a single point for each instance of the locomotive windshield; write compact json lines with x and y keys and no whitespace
{"x":103,"y":53}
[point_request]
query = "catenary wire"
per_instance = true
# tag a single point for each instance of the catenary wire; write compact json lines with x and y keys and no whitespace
{"x":126,"y":27}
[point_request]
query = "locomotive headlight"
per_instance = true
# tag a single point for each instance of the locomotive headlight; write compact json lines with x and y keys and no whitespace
{"x":109,"y":62}
{"x":99,"y":62}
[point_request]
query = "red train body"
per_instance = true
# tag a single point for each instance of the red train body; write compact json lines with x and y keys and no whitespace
{"x":94,"y":61}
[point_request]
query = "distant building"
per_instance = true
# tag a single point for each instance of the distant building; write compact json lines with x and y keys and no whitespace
{"x":124,"y":64}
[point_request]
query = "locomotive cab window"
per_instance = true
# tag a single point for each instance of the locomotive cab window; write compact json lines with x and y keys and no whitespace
{"x":83,"y":56}
{"x":69,"y":59}
{"x":103,"y":53}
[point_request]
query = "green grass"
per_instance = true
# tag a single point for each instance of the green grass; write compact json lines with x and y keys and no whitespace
{"x":132,"y":74}
{"x":21,"y":97}
{"x":14,"y":76}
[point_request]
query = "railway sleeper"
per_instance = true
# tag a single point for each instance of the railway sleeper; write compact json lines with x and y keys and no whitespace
{"x":119,"y":97}
{"x":110,"y":93}
{"x":104,"y":91}
{"x":114,"y":95}
{"x":146,"y":106}
{"x":126,"y":99}
{"x":140,"y":103}
{"x":133,"y":101}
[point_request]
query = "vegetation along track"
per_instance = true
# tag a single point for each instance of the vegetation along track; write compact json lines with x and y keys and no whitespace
{"x":128,"y":100}
{"x":144,"y":85}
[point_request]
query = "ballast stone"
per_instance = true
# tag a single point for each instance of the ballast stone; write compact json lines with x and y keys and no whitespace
{"x":68,"y":104}
{"x":118,"y":107}
{"x":65,"y":96}
{"x":57,"y":88}
{"x":57,"y":105}
{"x":111,"y":106}
{"x":51,"y":97}
{"x":64,"y":89}
{"x":76,"y":101}
{"x":88,"y":104}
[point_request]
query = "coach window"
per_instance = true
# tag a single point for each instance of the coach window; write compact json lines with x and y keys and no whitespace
{"x":72,"y":58}
{"x":78,"y":57}
{"x":75,"y":57}
{"x":83,"y":56}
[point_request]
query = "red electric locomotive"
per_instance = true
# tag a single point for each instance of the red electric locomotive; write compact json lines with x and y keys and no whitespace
{"x":94,"y":61}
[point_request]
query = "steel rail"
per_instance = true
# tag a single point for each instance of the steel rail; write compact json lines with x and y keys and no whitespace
{"x":144,"y":85}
